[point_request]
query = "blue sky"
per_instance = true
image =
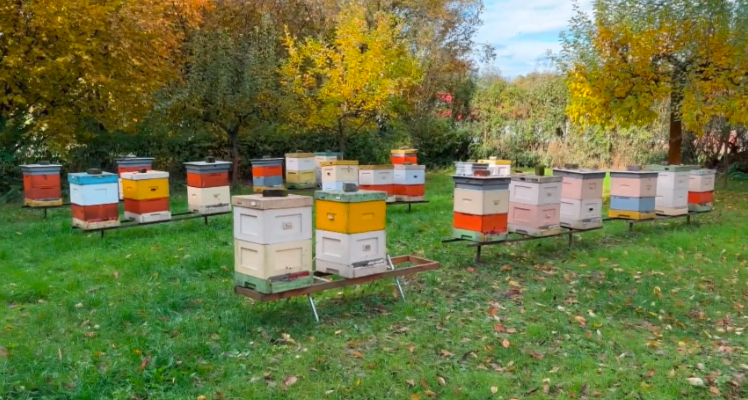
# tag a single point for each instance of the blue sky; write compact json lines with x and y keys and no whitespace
{"x":522,"y":31}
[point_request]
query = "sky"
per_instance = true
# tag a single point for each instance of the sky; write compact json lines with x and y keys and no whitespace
{"x":522,"y":32}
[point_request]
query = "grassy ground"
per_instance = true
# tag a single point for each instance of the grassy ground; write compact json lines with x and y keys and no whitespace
{"x":150,"y":313}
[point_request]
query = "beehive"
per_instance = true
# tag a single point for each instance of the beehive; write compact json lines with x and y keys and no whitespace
{"x":208,"y":190}
{"x":404,"y":156}
{"x":146,"y":196}
{"x":272,"y":242}
{"x":409,"y":182}
{"x":266,"y":173}
{"x":335,"y":174}
{"x":467,"y":168}
{"x":131,"y":163}
{"x":498,"y":167}
{"x":481,"y":204}
{"x":351,"y":239}
{"x":323,"y":156}
{"x":633,"y":194}
{"x":581,"y":198}
{"x":41,"y":185}
{"x":378,"y":178}
{"x":701,"y":190}
{"x":672,"y":188}
{"x":94,"y":199}
{"x":300,"y":170}
{"x":535,"y":205}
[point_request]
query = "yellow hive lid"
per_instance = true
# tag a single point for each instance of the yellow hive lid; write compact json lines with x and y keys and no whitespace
{"x":299,"y":155}
{"x":338,"y":162}
{"x":494,"y":161}
{"x":382,"y":166}
{"x":403,"y":151}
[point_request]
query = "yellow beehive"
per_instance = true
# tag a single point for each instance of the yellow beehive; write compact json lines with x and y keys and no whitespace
{"x":300,"y":176}
{"x":145,"y":185}
{"x":351,"y":217}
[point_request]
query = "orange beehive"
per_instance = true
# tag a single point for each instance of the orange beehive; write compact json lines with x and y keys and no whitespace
{"x":700,"y":197}
{"x":495,"y":223}
{"x":96,"y":213}
{"x":147,"y":206}
{"x":268,"y":170}
{"x":410,"y":190}
{"x":203,"y":181}
{"x":38,"y":187}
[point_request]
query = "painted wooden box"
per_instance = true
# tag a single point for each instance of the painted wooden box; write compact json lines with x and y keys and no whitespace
{"x":477,"y":236}
{"x":151,"y":206}
{"x":409,"y":192}
{"x":633,"y":183}
{"x":301,"y":179}
{"x":481,"y":182}
{"x":300,"y":162}
{"x":320,"y":157}
{"x":350,"y":217}
{"x":671,"y":168}
{"x":581,"y":184}
{"x":672,"y":181}
{"x":535,"y":190}
{"x":573,"y":210}
{"x":671,"y":199}
{"x":701,"y":180}
{"x":481,"y":202}
{"x":267,"y":181}
{"x":96,"y":216}
{"x":410,"y":175}
{"x":207,"y":174}
{"x":336,"y":186}
{"x":145,"y":185}
{"x":148,"y":218}
{"x":374,"y":175}
{"x":404,"y":156}
{"x":700,"y":198}
{"x":272,"y":220}
{"x":468,"y":168}
{"x":210,"y":200}
{"x":351,"y":250}
{"x":131,"y":163}
{"x":266,"y":261}
{"x":339,"y":171}
{"x":41,"y":185}
{"x":267,"y":168}
{"x":639,"y":204}
{"x":534,"y":216}
{"x":498,"y":167}
{"x":488,"y":224}
{"x":364,"y":268}
{"x":93,"y":194}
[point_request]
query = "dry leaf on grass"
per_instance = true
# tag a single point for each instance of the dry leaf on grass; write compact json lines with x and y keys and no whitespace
{"x":505,"y":343}
{"x":290,"y":381}
{"x":494,"y":389}
{"x":695,"y":381}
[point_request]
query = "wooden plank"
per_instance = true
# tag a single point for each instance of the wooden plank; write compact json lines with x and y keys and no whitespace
{"x":420,"y":265}
{"x":525,"y":238}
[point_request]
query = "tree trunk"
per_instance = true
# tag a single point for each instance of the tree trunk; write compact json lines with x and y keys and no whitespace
{"x":234,"y":137}
{"x":676,"y":129}
{"x":341,"y":139}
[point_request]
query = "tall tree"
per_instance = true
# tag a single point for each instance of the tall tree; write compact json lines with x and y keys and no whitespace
{"x":632,"y":55}
{"x":352,"y":82}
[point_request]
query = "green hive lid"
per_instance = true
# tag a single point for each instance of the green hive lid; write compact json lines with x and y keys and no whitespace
{"x":350,"y":197}
{"x":671,"y":168}
{"x":704,"y":171}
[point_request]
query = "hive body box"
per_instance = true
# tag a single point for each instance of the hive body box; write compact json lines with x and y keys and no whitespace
{"x":378,"y":178}
{"x":208,"y":190}
{"x":266,"y":172}
{"x":351,"y":239}
{"x":672,"y":188}
{"x":41,"y":185}
{"x":481,"y":204}
{"x":323,"y":156}
{"x":701,"y":190}
{"x":335,"y":174}
{"x":404,"y":156}
{"x":131,"y":164}
{"x":409,"y":182}
{"x":300,"y":170}
{"x":272,"y":242}
{"x":498,"y":167}
{"x":581,"y":198}
{"x":535,"y":205}
{"x":94,"y":200}
{"x":467,"y":168}
{"x":633,"y":194}
{"x":146,"y":196}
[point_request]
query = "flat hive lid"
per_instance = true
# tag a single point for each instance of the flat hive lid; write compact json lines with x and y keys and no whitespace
{"x":410,"y":167}
{"x":634,"y":174}
{"x":359,"y":196}
{"x":671,"y":168}
{"x":259,"y":162}
{"x":207,"y":164}
{"x":86,"y":178}
{"x":579,"y":173}
{"x":207,"y":167}
{"x":337,"y":162}
{"x":481,"y":180}
{"x":142,"y":176}
{"x":382,"y":166}
{"x":704,"y":171}
{"x":259,"y":202}
{"x":41,"y":169}
{"x":299,"y":155}
{"x":134,"y":161}
{"x":530,"y":178}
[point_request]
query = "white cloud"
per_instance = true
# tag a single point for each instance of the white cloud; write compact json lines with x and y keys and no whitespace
{"x":524,"y":30}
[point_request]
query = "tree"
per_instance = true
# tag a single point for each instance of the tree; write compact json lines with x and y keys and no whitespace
{"x":350,"y":83}
{"x":633,"y":55}
{"x":66,"y":61}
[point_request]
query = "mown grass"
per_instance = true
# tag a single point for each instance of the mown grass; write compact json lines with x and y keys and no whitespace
{"x":150,"y":313}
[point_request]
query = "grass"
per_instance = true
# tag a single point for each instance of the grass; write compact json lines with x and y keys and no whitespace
{"x":150,"y":313}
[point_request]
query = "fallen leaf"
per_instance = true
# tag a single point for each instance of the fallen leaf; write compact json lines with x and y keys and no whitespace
{"x":580,"y":320}
{"x":144,"y":363}
{"x":415,"y":396}
{"x":492,"y":310}
{"x":471,"y":270}
{"x":514,"y":284}
{"x":538,"y":356}
{"x":554,"y":370}
{"x":494,"y":389}
{"x":694,"y":381}
{"x":657,"y":292}
{"x":700,"y":366}
{"x":357,"y":354}
{"x":411,"y":382}
{"x":429,"y":393}
{"x":214,"y":336}
{"x":116,"y":274}
{"x":445,"y":353}
{"x":329,"y":392}
{"x":201,"y":397}
{"x":650,"y":373}
{"x":505,"y":343}
{"x":424,"y":384}
{"x":714,"y":390}
{"x":411,"y":348}
{"x":499,"y":328}
{"x":506,"y":268}
{"x":290,"y":381}
{"x":90,"y":334}
{"x":441,"y":380}
{"x":4,"y":352}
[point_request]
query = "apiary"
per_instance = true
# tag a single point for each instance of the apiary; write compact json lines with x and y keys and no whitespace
{"x":378,"y":178}
{"x":481,"y":205}
{"x":404,"y":156}
{"x":672,"y":188}
{"x":41,"y":185}
{"x":701,"y":190}
{"x":300,"y":170}
{"x":208,"y":190}
{"x":335,"y":174}
{"x":131,"y":163}
{"x":581,"y":198}
{"x":266,"y":173}
{"x":409,"y":182}
{"x":350,"y":232}
{"x":273,"y":241}
{"x":146,"y":195}
{"x":535,"y":205}
{"x":94,"y":199}
{"x":498,"y":167}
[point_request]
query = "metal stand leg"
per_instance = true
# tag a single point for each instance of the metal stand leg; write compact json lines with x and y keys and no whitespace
{"x":477,"y":255}
{"x":571,"y":238}
{"x":45,"y":213}
{"x":314,"y":309}
{"x":102,"y":234}
{"x":631,"y":226}
{"x":408,"y":207}
{"x":397,"y":280}
{"x":688,"y":219}
{"x":206,"y":219}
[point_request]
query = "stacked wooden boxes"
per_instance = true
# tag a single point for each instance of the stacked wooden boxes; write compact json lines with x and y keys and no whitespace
{"x":335,"y":174}
{"x":131,"y":163}
{"x":672,"y":188}
{"x":581,"y":198}
{"x":300,"y":170}
{"x":146,"y":196}
{"x":378,"y":178}
{"x":498,"y":167}
{"x":633,"y":194}
{"x":701,"y":190}
{"x":273,"y":241}
{"x":410,"y":182}
{"x":535,"y":205}
{"x":324,"y":156}
{"x":351,"y":240}
{"x":404,"y":156}
{"x":94,"y":199}
{"x":468,"y":168}
{"x":481,"y":204}
{"x":41,"y":185}
{"x":267,"y":173}
{"x":208,"y":188}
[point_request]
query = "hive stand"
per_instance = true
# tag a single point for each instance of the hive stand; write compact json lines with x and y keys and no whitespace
{"x":657,"y":218}
{"x":45,"y":208}
{"x":322,"y":283}
{"x":409,"y":203}
{"x":126,"y":224}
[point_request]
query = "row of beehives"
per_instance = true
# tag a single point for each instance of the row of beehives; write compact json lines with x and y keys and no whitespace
{"x":273,"y":237}
{"x":487,"y":206}
{"x":95,"y":195}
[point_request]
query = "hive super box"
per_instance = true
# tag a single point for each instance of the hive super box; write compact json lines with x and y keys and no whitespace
{"x":701,"y":190}
{"x":208,"y":190}
{"x":498,"y":167}
{"x":672,"y":188}
{"x":131,"y":163}
{"x":94,"y":200}
{"x":335,"y":174}
{"x":378,"y":178}
{"x":633,"y":194}
{"x":481,"y":204}
{"x":581,"y":198}
{"x":146,"y":196}
{"x":409,"y":182}
{"x":323,"y":156}
{"x":404,"y":156}
{"x":535,"y":205}
{"x":273,"y":242}
{"x":266,"y":172}
{"x":468,"y":168}
{"x":300,"y":170}
{"x":41,"y":185}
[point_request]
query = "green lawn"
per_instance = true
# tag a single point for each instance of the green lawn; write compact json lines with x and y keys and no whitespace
{"x":150,"y":313}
